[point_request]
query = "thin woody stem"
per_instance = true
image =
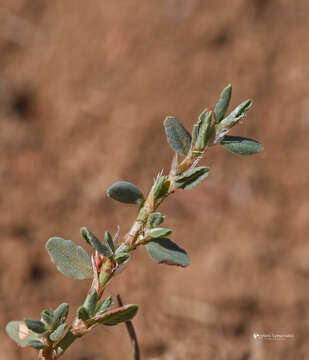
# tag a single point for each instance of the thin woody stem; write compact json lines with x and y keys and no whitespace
{"x":131,"y":240}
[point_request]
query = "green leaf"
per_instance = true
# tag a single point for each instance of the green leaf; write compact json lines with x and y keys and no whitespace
{"x":160,"y":187}
{"x":125,"y":192}
{"x":18,"y":331}
{"x":119,"y":315}
{"x":177,"y":136}
{"x":159,"y":232}
{"x":238,"y":113}
{"x":192,"y":177}
{"x":82,"y":313}
{"x":223,"y":104}
{"x":240,"y":145}
{"x":155,"y":219}
{"x":108,"y":241}
{"x":56,"y":335}
{"x":36,"y":326}
{"x":197,"y":126}
{"x":164,"y":251}
{"x":122,"y":257}
{"x":47,"y":317}
{"x":91,"y":302}
{"x":204,"y":131}
{"x":95,"y":242}
{"x":61,"y":314}
{"x":37,"y":344}
{"x":102,"y":308}
{"x":69,"y":258}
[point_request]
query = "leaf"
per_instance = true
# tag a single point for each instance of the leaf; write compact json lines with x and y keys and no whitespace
{"x":102,"y":308}
{"x":108,"y":241}
{"x":164,"y":251}
{"x":241,"y":146}
{"x":204,"y":131}
{"x":238,"y":113}
{"x":18,"y":331}
{"x":69,"y":258}
{"x":47,"y":317}
{"x":92,"y":240}
{"x":91,"y":302}
{"x":61,"y":314}
{"x":160,"y":187}
{"x":125,"y":192}
{"x":159,"y":232}
{"x":82,"y":313}
{"x":122,"y":257}
{"x":192,"y":177}
{"x":37,"y":344}
{"x":155,"y":219}
{"x":36,"y":326}
{"x":223,"y":104}
{"x":119,"y":315}
{"x":56,"y":335}
{"x":177,"y":136}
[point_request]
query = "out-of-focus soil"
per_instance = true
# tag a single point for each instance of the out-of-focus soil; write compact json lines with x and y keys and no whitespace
{"x":84,"y":88}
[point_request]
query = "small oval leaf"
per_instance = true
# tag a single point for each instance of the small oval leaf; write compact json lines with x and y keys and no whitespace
{"x":241,"y":146}
{"x":177,"y":136}
{"x":56,"y":335}
{"x":155,"y":219}
{"x":19,"y":332}
{"x":165,"y":251}
{"x":93,"y":241}
{"x":159,"y":232}
{"x":102,"y":308}
{"x":47,"y":317}
{"x":91,"y":302}
{"x":36,"y":326}
{"x":223,"y":103}
{"x":125,"y":192}
{"x":192,"y":177}
{"x":61,"y":314}
{"x":119,"y":315}
{"x":69,"y":258}
{"x":37,"y":344}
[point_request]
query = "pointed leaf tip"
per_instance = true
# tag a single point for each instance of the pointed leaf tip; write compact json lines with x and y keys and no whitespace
{"x":125,"y":192}
{"x":177,"y":136}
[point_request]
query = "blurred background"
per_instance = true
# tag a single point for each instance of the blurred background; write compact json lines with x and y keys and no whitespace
{"x":84,"y":89}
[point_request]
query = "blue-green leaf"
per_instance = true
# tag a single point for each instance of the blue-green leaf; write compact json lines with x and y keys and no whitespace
{"x":37,"y":344}
{"x":82,"y":313}
{"x":93,"y":241}
{"x":155,"y":219}
{"x":102,"y":308}
{"x":177,"y":136}
{"x":108,"y":241}
{"x":61,"y":314}
{"x":69,"y":258}
{"x":47,"y":317}
{"x":164,"y":251}
{"x":19,"y":332}
{"x":223,"y":104}
{"x":125,"y":192}
{"x":119,"y":315}
{"x":56,"y":335}
{"x":91,"y":302}
{"x":192,"y":177}
{"x":159,"y":232}
{"x":36,"y":326}
{"x":241,"y":146}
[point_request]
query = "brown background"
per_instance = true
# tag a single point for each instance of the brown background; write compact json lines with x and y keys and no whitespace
{"x":84,"y":88}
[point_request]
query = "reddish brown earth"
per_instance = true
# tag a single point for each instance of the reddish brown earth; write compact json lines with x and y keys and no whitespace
{"x":84,"y":88}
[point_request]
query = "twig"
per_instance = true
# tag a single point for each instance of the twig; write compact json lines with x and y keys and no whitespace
{"x":131,"y":332}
